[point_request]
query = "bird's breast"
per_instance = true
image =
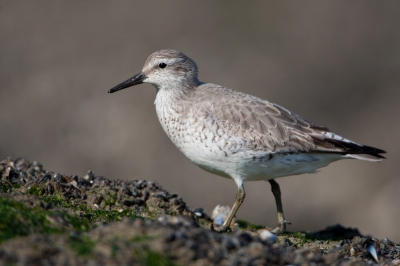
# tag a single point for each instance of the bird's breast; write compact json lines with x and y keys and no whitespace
{"x":199,"y":138}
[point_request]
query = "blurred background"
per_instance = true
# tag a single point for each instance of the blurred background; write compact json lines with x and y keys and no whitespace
{"x":336,"y":63}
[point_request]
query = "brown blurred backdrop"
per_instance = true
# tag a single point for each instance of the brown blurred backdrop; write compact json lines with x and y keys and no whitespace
{"x":336,"y":63}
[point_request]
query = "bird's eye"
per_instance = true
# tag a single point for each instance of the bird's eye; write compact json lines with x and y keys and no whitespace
{"x":162,"y":65}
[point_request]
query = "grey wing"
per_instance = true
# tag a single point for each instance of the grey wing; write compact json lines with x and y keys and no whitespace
{"x":271,"y":127}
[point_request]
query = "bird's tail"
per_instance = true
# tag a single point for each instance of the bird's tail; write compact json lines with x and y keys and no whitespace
{"x":332,"y":143}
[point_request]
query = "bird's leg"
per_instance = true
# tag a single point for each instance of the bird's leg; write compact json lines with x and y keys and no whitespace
{"x":240,"y":195}
{"x":281,"y":219}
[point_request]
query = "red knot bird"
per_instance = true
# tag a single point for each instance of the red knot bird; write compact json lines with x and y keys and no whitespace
{"x":237,"y":135}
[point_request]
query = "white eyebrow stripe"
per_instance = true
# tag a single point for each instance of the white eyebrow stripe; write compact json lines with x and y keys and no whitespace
{"x":168,"y":61}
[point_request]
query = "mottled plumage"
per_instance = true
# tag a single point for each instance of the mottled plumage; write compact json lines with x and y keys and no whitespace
{"x":236,"y":135}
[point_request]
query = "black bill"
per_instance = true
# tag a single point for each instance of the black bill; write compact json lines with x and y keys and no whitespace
{"x":135,"y":80}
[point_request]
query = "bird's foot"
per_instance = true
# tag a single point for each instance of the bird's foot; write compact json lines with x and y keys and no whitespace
{"x":221,"y":229}
{"x":281,"y":227}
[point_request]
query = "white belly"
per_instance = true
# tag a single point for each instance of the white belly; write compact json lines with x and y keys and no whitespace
{"x":251,"y":166}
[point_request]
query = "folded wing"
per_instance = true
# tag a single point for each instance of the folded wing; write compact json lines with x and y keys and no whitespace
{"x":279,"y":130}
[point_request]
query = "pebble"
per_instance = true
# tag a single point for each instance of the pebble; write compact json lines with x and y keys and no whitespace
{"x":372,"y":251}
{"x":220,"y":213}
{"x":267,"y":236}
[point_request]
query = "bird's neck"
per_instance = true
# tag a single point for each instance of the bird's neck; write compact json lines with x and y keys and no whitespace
{"x":172,"y":94}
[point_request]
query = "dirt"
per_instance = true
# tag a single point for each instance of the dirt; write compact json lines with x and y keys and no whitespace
{"x":53,"y":219}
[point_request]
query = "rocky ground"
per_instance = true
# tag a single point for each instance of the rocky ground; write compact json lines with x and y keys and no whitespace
{"x":49,"y":218}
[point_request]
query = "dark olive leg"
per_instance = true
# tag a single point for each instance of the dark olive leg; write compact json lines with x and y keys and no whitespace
{"x":281,"y":219}
{"x":240,"y":195}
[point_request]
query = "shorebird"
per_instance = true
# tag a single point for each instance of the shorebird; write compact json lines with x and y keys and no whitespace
{"x":237,"y":135}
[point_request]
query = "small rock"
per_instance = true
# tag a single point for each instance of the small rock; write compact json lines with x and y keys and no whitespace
{"x":266,"y":236}
{"x":139,"y":202}
{"x":161,"y":195}
{"x":220,"y":213}
{"x":372,"y":251}
{"x":89,"y":176}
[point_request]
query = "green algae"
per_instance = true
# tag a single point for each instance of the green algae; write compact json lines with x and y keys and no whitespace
{"x":150,"y":258}
{"x":82,"y":245}
{"x":20,"y":220}
{"x":242,"y":224}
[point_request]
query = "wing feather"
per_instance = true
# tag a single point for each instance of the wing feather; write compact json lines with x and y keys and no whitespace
{"x":276,"y":129}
